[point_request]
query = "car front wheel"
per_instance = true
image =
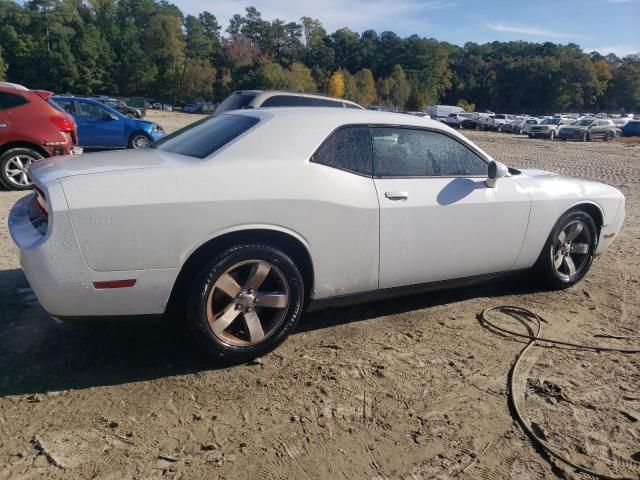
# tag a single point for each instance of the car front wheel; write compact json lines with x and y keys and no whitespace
{"x":568,"y":252}
{"x":14,"y":166}
{"x":139,"y":140}
{"x":246,"y":302}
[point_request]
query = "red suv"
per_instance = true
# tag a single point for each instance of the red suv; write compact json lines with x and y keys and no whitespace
{"x":31,"y":128}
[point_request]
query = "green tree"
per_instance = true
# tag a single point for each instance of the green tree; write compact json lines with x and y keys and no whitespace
{"x":467,"y":106}
{"x":400,"y":88}
{"x":271,"y":76}
{"x":3,"y":67}
{"x":299,"y":79}
{"x":365,"y":87}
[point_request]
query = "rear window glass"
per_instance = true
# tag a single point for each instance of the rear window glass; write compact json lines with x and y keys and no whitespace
{"x":283,"y":101}
{"x":348,"y":148}
{"x":202,"y":138}
{"x":9,"y":100}
{"x":235,"y":101}
{"x":321,"y":102}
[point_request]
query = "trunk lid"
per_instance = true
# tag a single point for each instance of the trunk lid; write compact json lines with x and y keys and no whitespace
{"x":56,"y":168}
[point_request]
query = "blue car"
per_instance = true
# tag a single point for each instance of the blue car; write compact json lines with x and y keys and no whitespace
{"x":631,"y":129}
{"x":102,"y":127}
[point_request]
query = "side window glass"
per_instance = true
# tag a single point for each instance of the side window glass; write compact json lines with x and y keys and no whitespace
{"x":9,"y":100}
{"x":67,"y":105}
{"x":401,"y":152}
{"x":348,"y":148}
{"x":91,"y":110}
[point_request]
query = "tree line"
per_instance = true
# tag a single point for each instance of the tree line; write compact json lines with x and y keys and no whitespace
{"x":150,"y":48}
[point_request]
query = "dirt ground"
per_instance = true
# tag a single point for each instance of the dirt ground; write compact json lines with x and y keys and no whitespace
{"x":410,"y":388}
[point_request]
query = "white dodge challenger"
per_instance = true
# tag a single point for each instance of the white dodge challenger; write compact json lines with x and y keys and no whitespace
{"x":242,"y":219}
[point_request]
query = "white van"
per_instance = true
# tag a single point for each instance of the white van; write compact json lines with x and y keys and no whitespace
{"x":441,"y":112}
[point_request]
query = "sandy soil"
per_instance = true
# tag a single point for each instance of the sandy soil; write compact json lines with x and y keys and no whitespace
{"x":411,"y":388}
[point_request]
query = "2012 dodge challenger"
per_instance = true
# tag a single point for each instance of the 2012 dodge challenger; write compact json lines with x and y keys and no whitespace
{"x":245,"y":218}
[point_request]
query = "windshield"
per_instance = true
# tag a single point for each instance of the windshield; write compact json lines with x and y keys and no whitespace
{"x":202,"y":138}
{"x":551,"y":121}
{"x":236,"y":101}
{"x":582,"y":123}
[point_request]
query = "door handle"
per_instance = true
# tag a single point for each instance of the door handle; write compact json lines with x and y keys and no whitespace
{"x":396,"y":195}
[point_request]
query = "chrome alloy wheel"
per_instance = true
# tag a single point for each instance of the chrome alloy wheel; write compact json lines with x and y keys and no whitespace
{"x":16,"y":170}
{"x":570,"y":251}
{"x":140,"y":141}
{"x":247,"y":303}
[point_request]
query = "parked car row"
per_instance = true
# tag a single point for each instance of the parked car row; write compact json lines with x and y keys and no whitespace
{"x":35,"y":124}
{"x":564,"y":127}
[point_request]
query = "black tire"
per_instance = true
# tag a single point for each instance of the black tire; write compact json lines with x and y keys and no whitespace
{"x":202,"y":287}
{"x":531,"y":135}
{"x":139,"y":140}
{"x":5,"y":179}
{"x":609,"y":136}
{"x":545,"y":265}
{"x":499,"y":128}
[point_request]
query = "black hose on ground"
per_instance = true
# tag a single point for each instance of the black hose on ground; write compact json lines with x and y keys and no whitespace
{"x":535,"y":337}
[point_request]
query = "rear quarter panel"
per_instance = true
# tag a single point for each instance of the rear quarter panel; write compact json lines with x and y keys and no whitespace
{"x":155,"y":218}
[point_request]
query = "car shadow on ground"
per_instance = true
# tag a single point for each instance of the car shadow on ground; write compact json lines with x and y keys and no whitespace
{"x":38,"y":355}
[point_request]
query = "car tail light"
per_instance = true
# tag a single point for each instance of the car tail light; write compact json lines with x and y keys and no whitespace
{"x":41,"y":203}
{"x":63,"y":124}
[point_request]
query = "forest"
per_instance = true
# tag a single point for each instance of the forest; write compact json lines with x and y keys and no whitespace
{"x":151,"y":48}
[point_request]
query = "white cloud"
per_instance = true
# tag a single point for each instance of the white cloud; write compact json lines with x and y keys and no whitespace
{"x":401,"y":16}
{"x":530,"y":31}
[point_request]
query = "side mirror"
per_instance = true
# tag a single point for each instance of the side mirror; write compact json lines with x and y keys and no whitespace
{"x":496,"y":170}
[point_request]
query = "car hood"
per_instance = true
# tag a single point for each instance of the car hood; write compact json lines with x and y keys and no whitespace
{"x":535,"y":173}
{"x":56,"y":168}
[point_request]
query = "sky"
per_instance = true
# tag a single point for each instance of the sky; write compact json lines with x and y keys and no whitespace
{"x":606,"y":26}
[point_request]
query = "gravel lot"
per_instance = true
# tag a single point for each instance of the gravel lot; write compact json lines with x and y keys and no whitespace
{"x":411,"y":388}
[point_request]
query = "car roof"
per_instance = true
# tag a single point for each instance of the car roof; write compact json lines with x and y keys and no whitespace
{"x":307,"y":126}
{"x":264,"y":94}
{"x":14,"y":86}
{"x":339,"y":117}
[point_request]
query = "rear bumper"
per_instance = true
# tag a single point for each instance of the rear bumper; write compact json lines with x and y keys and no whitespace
{"x":64,"y":284}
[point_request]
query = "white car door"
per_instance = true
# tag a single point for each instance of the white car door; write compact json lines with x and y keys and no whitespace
{"x":438,"y":219}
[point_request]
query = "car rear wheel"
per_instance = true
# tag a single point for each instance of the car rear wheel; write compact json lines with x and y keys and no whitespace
{"x":531,"y":135}
{"x":245,"y":302}
{"x":499,"y":128}
{"x":139,"y":140}
{"x":14,"y":166}
{"x":568,"y":252}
